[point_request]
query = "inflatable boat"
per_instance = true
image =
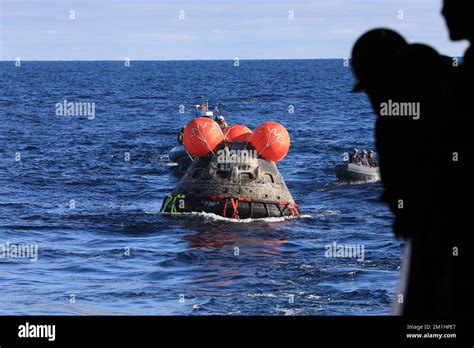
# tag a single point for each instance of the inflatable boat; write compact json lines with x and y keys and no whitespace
{"x":357,"y":172}
{"x":179,"y":155}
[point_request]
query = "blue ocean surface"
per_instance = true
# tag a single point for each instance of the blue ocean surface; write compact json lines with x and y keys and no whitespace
{"x":103,"y":245}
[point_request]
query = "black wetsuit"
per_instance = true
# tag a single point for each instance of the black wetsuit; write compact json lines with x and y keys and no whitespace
{"x":354,"y":159}
{"x":180,"y":136}
{"x":372,"y":162}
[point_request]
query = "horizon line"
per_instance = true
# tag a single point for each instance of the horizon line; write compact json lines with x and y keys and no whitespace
{"x":163,"y":60}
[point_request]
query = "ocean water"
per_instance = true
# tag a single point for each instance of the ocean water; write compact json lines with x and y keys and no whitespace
{"x":67,"y":187}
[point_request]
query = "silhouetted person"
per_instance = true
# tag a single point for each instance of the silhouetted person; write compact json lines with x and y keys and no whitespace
{"x":406,"y":86}
{"x":457,"y":158}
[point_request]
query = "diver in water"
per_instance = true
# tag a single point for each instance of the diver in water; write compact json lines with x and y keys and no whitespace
{"x":371,"y":159}
{"x":221,"y":122}
{"x":354,"y":158}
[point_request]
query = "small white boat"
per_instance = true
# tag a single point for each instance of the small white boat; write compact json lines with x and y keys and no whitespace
{"x":357,"y":172}
{"x":202,"y":110}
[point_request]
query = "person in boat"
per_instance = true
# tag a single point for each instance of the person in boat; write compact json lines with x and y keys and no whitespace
{"x":180,"y":136}
{"x":364,"y":159}
{"x":222,"y":123}
{"x":371,"y":159}
{"x":354,"y":158}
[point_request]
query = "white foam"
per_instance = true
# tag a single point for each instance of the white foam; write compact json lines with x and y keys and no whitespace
{"x":214,"y":217}
{"x":287,"y":311}
{"x":261,"y":295}
{"x":318,"y":214}
{"x":328,"y":212}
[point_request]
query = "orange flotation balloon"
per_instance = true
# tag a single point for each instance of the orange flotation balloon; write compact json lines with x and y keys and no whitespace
{"x":237,"y":132}
{"x":271,"y":140}
{"x":201,"y":136}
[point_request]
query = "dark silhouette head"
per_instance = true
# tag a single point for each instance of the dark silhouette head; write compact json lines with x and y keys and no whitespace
{"x":459,"y":16}
{"x":373,"y":56}
{"x":421,"y":75}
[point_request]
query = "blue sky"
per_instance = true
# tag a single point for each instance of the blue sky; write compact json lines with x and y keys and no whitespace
{"x":211,"y":29}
